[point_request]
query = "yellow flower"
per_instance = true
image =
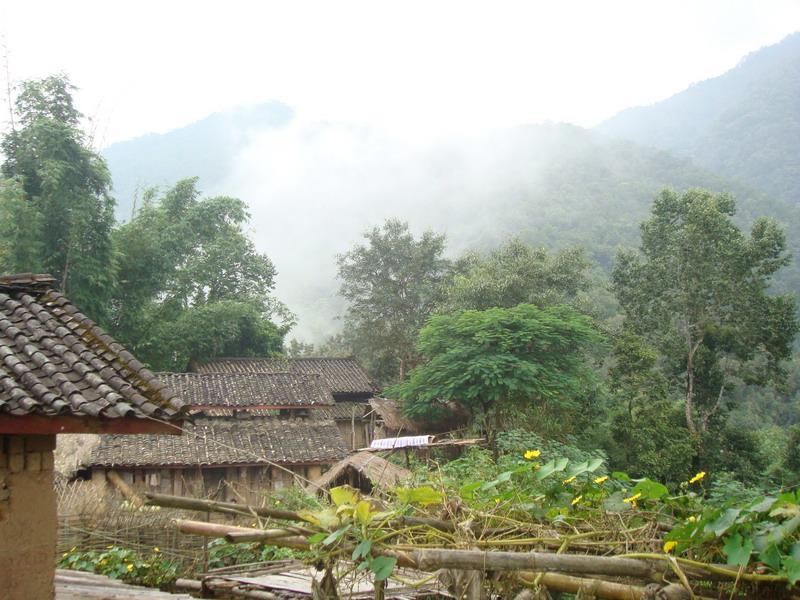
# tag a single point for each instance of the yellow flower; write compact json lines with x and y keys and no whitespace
{"x":130,"y":568}
{"x":155,"y":549}
{"x":670,"y":546}
{"x":600,"y":480}
{"x":692,"y":519}
{"x":633,"y":499}
{"x":109,"y":547}
{"x":65,"y":555}
{"x":531,"y":454}
{"x":576,"y":499}
{"x":569,"y":480}
{"x":697,"y":477}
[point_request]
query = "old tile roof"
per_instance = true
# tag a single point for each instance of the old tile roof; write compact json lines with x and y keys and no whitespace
{"x":54,"y":361}
{"x":343,"y":375}
{"x":254,"y":390}
{"x":226,"y":441}
{"x":344,"y":411}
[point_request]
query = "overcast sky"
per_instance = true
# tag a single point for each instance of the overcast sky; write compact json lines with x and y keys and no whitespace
{"x":414,"y":67}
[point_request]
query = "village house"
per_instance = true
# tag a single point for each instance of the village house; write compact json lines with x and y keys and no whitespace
{"x":250,"y":432}
{"x":347,"y":381}
{"x":59,"y":374}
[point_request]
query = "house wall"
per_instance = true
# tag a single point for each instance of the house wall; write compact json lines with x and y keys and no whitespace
{"x":356,"y":437}
{"x":28,"y":522}
{"x":231,"y":484}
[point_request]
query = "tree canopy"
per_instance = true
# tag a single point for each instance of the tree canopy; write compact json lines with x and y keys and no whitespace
{"x":57,"y":211}
{"x":516,"y":273}
{"x":492,"y":360}
{"x":392,"y":283}
{"x":699,"y":292}
{"x":191,"y":283}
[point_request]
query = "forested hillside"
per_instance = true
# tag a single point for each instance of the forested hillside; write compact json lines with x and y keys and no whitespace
{"x":744,"y":124}
{"x":552,"y":185}
{"x":205,"y":148}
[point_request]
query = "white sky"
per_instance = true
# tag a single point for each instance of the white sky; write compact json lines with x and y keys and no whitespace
{"x":414,"y":67}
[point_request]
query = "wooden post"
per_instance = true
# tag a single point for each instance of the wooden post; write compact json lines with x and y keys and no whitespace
{"x":124,"y":488}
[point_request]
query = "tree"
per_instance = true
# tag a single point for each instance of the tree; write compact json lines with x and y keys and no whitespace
{"x":64,"y":207}
{"x":516,"y":273}
{"x":392,"y":284}
{"x":699,"y":293}
{"x":191,"y":283}
{"x":499,"y":359}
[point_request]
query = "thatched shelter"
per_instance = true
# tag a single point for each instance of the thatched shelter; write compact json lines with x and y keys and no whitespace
{"x":364,"y":471}
{"x":390,"y":422}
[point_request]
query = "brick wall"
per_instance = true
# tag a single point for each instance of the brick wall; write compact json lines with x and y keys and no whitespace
{"x":27,"y":516}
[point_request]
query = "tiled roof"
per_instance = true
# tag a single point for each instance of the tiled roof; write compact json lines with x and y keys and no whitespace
{"x":343,"y":375}
{"x":56,"y":361}
{"x":344,"y":411}
{"x":242,"y":390}
{"x":221,"y":441}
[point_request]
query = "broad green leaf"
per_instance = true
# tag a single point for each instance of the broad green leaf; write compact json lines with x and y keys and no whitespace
{"x":721,"y":524}
{"x":738,"y":550}
{"x":363,"y":512}
{"x":344,"y":495}
{"x":317,"y":538}
{"x":325,"y":518}
{"x":621,"y":476}
{"x":771,"y":557}
{"x":424,"y":495}
{"x":336,"y":536}
{"x":550,"y":467}
{"x":763,"y":505}
{"x":792,"y":568}
{"x":382,"y":566}
{"x":614,"y":503}
{"x":363,"y":549}
{"x":650,"y":490}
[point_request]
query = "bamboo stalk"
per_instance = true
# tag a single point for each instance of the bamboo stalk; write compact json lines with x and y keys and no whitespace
{"x":607,"y":590}
{"x":186,"y":503}
{"x":434,"y":559}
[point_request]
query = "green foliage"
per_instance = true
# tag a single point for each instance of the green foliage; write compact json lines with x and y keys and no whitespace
{"x":392,"y":284}
{"x":699,"y":295}
{"x":225,"y":554}
{"x":515,"y":273}
{"x":191,"y":284}
{"x":60,"y":214}
{"x":123,"y":563}
{"x":499,"y":359}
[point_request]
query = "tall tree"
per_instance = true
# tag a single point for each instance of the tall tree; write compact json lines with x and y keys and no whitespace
{"x":191,"y":283}
{"x":392,"y":284}
{"x":498,"y":360}
{"x":698,"y":291}
{"x":69,"y":213}
{"x":517,"y":273}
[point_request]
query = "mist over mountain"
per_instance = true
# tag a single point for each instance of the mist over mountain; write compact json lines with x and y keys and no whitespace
{"x":744,"y":124}
{"x":313,"y":188}
{"x":205,"y":148}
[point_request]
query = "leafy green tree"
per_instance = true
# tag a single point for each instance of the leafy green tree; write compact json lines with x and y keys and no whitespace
{"x":516,"y":273}
{"x":191,"y":283}
{"x":647,"y":435}
{"x":65,"y":210}
{"x":499,"y":360}
{"x":699,"y":293}
{"x":392,"y":284}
